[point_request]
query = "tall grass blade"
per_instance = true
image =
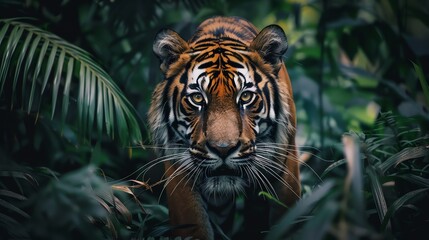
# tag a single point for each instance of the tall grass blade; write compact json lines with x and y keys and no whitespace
{"x":332,"y":167}
{"x":322,"y":221}
{"x":420,"y":181}
{"x":377,"y":192}
{"x":398,"y":204}
{"x":302,"y":207}
{"x":11,"y":194}
{"x":11,"y":207}
{"x":404,"y":155}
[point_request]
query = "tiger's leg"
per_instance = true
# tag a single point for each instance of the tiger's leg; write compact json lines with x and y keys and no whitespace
{"x":186,"y":208}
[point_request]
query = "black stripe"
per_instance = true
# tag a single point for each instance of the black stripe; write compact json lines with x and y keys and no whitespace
{"x":248,"y":85}
{"x":257,"y":77}
{"x":184,"y":77}
{"x":194,"y":86}
{"x":165,"y":98}
{"x":235,"y":64}
{"x":174,"y":98}
{"x":206,"y":65}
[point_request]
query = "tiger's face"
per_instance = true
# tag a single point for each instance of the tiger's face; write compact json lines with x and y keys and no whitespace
{"x":221,"y":115}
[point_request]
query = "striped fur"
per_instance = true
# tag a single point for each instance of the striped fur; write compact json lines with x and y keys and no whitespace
{"x":224,"y":120}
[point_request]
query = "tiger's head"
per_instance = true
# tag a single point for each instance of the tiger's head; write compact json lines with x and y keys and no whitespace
{"x":221,"y":116}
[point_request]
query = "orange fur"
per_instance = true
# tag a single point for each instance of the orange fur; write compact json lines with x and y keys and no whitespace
{"x":221,"y":42}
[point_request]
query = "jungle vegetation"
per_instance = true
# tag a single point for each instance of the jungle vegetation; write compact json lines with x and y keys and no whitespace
{"x":76,"y":79}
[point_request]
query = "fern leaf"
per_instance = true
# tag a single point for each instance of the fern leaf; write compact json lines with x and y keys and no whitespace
{"x":46,"y":63}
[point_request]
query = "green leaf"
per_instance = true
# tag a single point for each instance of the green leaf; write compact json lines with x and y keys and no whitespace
{"x":272,"y":198}
{"x":13,"y":208}
{"x":404,"y":155}
{"x":377,"y":192}
{"x":36,"y":73}
{"x":299,"y":209}
{"x":123,"y":126}
{"x":100,"y":108}
{"x":423,"y":182}
{"x":13,"y":227}
{"x":86,"y":94}
{"x":80,"y":99}
{"x":9,"y":51}
{"x":3,"y":32}
{"x":423,"y":82}
{"x":399,"y":203}
{"x":322,"y":221}
{"x":92,"y":101}
{"x":17,"y":174}
{"x":49,"y":65}
{"x":157,"y":211}
{"x":29,"y":60}
{"x":19,"y":63}
{"x":66,"y":91}
{"x":44,"y":55}
{"x":110,"y":120}
{"x":332,"y":167}
{"x":57,"y":81}
{"x":11,"y":194}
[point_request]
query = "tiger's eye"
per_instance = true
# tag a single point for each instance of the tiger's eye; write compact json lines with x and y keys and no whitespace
{"x":197,"y":98}
{"x":246,"y":97}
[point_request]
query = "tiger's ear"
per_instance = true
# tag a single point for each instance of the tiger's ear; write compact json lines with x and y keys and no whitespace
{"x":168,"y":46}
{"x":271,"y":43}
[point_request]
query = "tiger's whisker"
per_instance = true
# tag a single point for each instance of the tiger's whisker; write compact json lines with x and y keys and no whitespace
{"x":279,"y":178}
{"x":277,"y":166}
{"x":293,"y":159}
{"x":190,"y":170}
{"x":268,"y":186}
{"x":159,"y":160}
{"x":177,"y":172}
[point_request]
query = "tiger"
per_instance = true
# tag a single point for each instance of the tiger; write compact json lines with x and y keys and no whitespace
{"x":225,"y":122}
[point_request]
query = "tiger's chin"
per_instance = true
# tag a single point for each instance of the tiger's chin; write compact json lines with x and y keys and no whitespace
{"x":224,"y":186}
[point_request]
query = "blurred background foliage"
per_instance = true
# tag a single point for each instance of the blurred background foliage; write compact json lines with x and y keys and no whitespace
{"x":358,"y":70}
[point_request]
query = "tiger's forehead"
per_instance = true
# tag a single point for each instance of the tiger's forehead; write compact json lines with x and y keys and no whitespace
{"x":219,"y":81}
{"x":220,"y":69}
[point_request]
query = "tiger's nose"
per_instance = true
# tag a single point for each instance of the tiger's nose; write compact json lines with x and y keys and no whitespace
{"x":222,"y":148}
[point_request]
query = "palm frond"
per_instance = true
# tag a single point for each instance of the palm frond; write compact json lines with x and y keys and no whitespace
{"x":34,"y":60}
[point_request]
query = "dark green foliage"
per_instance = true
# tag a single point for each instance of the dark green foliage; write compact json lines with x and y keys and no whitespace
{"x":383,"y":194}
{"x":76,"y":79}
